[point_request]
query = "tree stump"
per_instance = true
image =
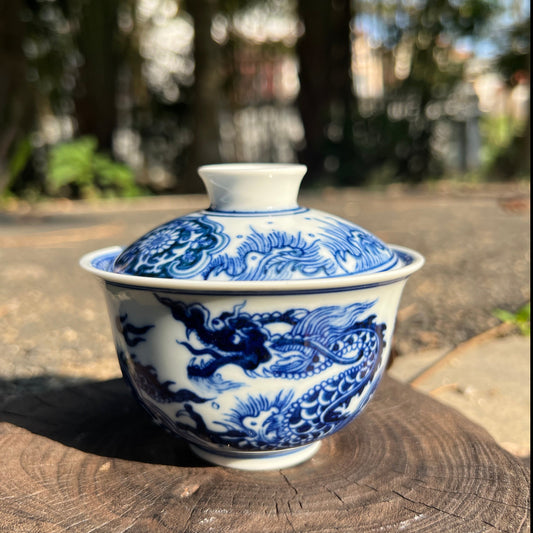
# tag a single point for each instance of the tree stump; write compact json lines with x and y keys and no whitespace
{"x":87,"y":458}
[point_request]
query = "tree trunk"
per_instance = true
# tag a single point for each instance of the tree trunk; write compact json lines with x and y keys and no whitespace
{"x":96,"y":112}
{"x":17,"y":96}
{"x":325,"y":100}
{"x":205,"y":97}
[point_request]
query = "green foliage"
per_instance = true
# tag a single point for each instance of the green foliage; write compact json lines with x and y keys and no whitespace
{"x":503,"y":149}
{"x":19,"y":164}
{"x":521,"y":319}
{"x":497,"y":133}
{"x":419,"y":42}
{"x":516,"y":55}
{"x":20,"y":158}
{"x":76,"y":168}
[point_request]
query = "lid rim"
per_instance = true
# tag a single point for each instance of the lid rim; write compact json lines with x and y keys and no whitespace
{"x":398,"y":273}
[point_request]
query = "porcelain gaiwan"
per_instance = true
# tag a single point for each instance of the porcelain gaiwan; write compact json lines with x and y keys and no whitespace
{"x":255,"y":328}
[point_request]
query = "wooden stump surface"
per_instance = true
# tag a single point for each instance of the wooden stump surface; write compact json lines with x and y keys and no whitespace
{"x":87,"y":459}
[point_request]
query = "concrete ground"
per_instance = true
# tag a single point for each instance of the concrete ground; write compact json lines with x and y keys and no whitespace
{"x":488,"y":382}
{"x":476,"y":239}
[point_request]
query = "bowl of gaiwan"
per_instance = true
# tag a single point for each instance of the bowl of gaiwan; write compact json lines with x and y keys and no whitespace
{"x":256,"y":328}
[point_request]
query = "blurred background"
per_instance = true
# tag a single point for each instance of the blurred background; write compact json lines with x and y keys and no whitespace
{"x":103,"y":98}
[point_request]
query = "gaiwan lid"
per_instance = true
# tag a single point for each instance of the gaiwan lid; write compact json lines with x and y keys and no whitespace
{"x":254,"y":230}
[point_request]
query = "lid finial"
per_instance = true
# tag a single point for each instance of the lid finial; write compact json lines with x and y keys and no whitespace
{"x":252,"y":187}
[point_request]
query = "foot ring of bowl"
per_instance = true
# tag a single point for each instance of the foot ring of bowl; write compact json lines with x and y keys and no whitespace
{"x":250,"y":460}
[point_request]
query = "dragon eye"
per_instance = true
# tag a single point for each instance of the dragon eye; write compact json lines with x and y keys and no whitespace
{"x":338,"y":346}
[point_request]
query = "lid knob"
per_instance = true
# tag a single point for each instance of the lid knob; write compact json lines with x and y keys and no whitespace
{"x":252,"y":187}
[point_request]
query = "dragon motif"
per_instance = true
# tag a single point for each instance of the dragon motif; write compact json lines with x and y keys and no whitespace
{"x":197,"y":246}
{"x":273,"y":256}
{"x":289,"y":345}
{"x":315,"y":339}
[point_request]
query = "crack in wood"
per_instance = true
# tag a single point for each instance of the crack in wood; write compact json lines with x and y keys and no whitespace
{"x":459,"y":493}
{"x":289,"y":522}
{"x":449,"y":513}
{"x":290,"y":506}
{"x":523,"y":521}
{"x":331,"y":491}
{"x":366,"y":485}
{"x":286,"y":479}
{"x":293,"y":488}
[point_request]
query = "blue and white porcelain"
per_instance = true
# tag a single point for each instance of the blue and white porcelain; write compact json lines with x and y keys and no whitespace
{"x":255,"y":232}
{"x":254,"y":328}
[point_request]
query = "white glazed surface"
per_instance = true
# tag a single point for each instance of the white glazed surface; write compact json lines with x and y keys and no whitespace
{"x":254,"y":230}
{"x":251,"y":187}
{"x":158,"y":350}
{"x":100,"y":263}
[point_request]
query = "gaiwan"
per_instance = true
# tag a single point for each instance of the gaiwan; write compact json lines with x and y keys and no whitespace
{"x":254,"y":328}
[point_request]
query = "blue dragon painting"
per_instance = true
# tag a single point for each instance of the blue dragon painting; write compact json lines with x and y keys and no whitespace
{"x":310,"y":341}
{"x":197,"y":246}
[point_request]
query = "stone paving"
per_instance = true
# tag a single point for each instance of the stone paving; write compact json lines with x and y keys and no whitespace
{"x":54,"y":330}
{"x":489,"y":383}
